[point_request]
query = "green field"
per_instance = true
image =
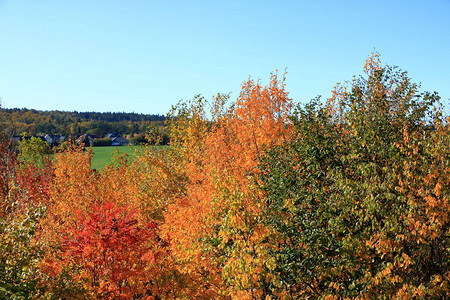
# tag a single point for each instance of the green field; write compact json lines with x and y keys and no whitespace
{"x":103,"y":155}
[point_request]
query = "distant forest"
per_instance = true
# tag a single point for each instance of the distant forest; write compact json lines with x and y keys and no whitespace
{"x":16,"y":121}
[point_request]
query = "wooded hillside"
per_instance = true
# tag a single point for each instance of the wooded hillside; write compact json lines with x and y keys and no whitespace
{"x":17,"y":121}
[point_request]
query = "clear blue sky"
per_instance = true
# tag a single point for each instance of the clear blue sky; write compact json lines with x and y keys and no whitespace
{"x":145,"y":55}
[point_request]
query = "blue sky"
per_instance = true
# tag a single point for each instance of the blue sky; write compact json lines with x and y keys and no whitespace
{"x":145,"y":55}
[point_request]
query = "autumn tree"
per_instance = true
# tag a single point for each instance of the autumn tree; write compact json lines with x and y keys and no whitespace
{"x":353,"y":196}
{"x":112,"y":255}
{"x":23,"y":199}
{"x":102,"y":240}
{"x":215,"y":226}
{"x":33,"y":151}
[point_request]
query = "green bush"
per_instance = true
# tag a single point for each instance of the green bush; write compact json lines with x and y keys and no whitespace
{"x":102,"y":142}
{"x":358,"y":198}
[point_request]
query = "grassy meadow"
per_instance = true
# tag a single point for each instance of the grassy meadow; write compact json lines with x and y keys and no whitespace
{"x":102,"y":155}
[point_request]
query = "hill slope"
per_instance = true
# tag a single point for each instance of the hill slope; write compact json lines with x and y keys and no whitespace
{"x":35,"y":122}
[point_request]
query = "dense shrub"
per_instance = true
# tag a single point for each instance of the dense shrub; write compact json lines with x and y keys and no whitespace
{"x":102,"y":142}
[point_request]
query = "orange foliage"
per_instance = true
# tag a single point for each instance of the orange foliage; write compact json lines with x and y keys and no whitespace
{"x":112,"y":255}
{"x":97,"y":232}
{"x":215,"y":227}
{"x":73,"y":189}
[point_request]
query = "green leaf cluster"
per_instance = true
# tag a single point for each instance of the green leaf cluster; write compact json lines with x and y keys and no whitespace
{"x":346,"y":193}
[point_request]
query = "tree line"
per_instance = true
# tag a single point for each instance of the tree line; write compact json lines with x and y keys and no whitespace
{"x":17,"y":121}
{"x":260,"y":198}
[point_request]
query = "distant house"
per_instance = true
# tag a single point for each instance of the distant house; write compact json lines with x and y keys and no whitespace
{"x":87,"y":140}
{"x":53,"y":139}
{"x":117,"y":139}
{"x":112,"y":135}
